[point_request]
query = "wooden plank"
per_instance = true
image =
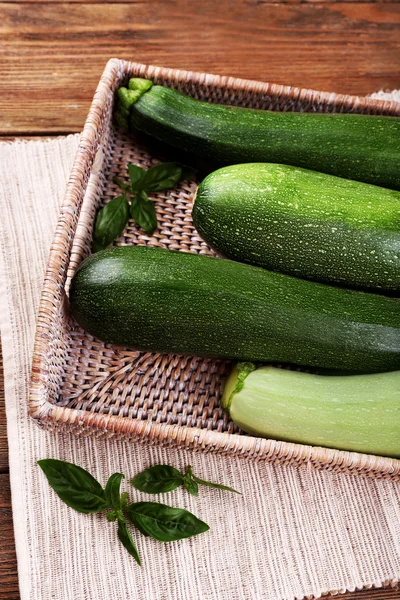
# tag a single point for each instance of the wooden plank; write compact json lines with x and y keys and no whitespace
{"x":3,"y":428}
{"x":380,"y":594}
{"x":58,"y":51}
{"x":8,"y":559}
{"x":140,"y":1}
{"x":171,"y":1}
{"x":272,"y":1}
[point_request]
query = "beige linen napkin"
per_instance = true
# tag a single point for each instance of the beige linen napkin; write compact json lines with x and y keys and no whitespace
{"x":293,"y":533}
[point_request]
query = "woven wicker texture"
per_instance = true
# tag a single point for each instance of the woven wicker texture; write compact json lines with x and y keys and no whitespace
{"x":83,"y":385}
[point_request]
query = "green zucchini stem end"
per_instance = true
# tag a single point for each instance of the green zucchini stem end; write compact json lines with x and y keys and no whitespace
{"x":127,"y":98}
{"x":235,"y":382}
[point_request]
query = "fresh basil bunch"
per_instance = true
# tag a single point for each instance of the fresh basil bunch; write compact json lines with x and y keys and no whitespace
{"x":82,"y":492}
{"x":134,"y":201}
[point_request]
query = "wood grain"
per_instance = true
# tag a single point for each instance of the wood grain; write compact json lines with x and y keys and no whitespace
{"x":3,"y":428}
{"x":250,"y":2}
{"x":380,"y":594}
{"x":56,"y":52}
{"x":8,"y":560}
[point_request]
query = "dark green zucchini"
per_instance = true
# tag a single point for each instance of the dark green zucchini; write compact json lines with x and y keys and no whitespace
{"x":361,"y":147}
{"x":165,"y":301}
{"x":303,"y":223}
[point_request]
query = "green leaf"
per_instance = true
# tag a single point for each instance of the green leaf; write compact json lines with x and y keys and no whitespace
{"x":112,"y":516}
{"x":158,"y":479}
{"x":144,"y":213}
{"x":75,"y":486}
{"x":126,"y":539}
{"x":163,"y":176}
{"x":136,"y":175}
{"x":110,"y":222}
{"x":112,"y":490}
{"x":165,"y":523}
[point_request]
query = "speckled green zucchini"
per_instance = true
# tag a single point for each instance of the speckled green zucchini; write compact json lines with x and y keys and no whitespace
{"x":361,"y":147}
{"x":349,"y":412}
{"x":303,"y":223}
{"x":165,"y":301}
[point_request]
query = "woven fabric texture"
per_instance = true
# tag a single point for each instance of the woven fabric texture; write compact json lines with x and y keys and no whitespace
{"x":293,"y":533}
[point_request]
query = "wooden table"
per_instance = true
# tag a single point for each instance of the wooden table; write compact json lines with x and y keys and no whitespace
{"x":55,"y":53}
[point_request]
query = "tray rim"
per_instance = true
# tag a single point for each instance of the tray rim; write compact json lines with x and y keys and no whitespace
{"x":81,"y":422}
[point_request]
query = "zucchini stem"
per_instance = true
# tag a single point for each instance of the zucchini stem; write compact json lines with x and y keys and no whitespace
{"x":127,"y":98}
{"x":235,"y":382}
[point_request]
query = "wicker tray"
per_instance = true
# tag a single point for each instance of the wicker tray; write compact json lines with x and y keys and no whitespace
{"x":86,"y":387}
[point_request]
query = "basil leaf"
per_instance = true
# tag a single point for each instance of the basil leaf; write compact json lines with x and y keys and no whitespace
{"x":158,"y":479}
{"x":136,"y":175}
{"x":163,"y":176}
{"x":110,"y":222}
{"x":126,"y":539}
{"x":219,"y":486}
{"x":165,"y":523}
{"x":112,"y":490}
{"x":144,"y":213}
{"x":75,"y":486}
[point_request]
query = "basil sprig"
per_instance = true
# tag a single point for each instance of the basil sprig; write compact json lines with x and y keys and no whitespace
{"x":164,"y":478}
{"x":134,"y":201}
{"x":82,"y":492}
